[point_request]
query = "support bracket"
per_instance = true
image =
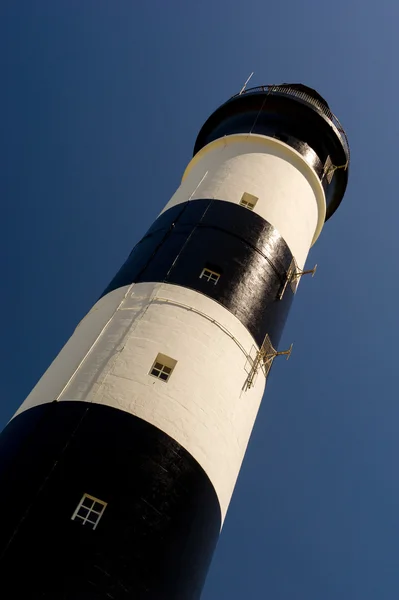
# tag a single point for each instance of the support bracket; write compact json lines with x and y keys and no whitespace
{"x":293,"y":276}
{"x":263,"y":360}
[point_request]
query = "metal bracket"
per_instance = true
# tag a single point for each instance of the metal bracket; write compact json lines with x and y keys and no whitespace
{"x":296,"y":276}
{"x":264,"y":359}
{"x":293,"y":276}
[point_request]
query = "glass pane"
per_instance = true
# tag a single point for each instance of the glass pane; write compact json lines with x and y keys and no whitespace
{"x":155,"y":372}
{"x":88,"y":502}
{"x":163,"y":376}
{"x":158,"y":366}
{"x":167,"y":369}
{"x":98,"y":507}
{"x":83,"y":512}
{"x":89,"y":524}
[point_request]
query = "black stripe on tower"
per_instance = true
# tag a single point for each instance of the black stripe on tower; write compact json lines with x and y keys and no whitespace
{"x":158,"y":531}
{"x":251,"y":256}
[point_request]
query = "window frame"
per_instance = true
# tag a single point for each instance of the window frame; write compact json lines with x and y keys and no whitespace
{"x":209,"y":279}
{"x":165,"y":362}
{"x":83,"y":520}
{"x":248,"y":201}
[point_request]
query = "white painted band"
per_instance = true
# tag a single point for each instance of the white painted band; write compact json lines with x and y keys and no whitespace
{"x":203,"y":406}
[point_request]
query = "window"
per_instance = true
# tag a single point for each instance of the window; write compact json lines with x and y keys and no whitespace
{"x":209,"y":275}
{"x":248,"y":201}
{"x":163,"y":367}
{"x":89,"y":511}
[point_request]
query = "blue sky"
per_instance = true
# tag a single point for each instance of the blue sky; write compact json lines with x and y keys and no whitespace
{"x":100,"y":105}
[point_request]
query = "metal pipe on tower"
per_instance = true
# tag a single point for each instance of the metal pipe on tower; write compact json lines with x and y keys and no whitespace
{"x":117,"y":471}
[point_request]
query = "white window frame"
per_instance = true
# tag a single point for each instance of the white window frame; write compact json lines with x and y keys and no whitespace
{"x":88,"y":518}
{"x":210,"y":276}
{"x":167,"y":365}
{"x":248,"y":201}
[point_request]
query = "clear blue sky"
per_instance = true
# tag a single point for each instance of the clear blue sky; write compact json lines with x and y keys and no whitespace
{"x":100,"y":105}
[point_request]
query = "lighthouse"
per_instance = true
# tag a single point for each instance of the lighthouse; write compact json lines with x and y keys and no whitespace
{"x":117,"y":471}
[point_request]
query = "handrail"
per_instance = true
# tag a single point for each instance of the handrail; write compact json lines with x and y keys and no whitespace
{"x":307,"y":98}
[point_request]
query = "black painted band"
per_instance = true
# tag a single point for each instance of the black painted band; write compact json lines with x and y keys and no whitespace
{"x":249,"y":253}
{"x":156,"y":537}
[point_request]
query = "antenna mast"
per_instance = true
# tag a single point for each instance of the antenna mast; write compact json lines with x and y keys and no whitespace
{"x":245,"y":84}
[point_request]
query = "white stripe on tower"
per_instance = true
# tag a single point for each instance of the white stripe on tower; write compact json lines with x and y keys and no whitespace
{"x":203,"y":406}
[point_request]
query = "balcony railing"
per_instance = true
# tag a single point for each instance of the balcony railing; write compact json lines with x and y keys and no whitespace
{"x":306,"y":98}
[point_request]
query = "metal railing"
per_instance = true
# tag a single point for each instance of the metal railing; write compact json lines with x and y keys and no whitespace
{"x":308,"y":99}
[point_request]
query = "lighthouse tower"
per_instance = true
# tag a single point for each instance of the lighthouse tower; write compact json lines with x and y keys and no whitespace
{"x":117,"y":471}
